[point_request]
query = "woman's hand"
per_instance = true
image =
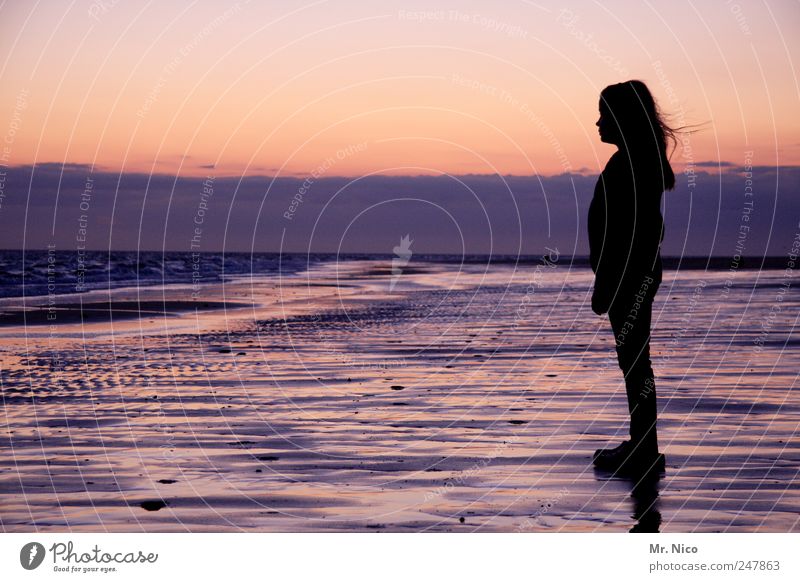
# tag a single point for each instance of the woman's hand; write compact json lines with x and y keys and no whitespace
{"x":600,"y":302}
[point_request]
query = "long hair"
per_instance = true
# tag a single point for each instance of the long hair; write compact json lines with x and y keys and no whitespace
{"x":641,"y":123}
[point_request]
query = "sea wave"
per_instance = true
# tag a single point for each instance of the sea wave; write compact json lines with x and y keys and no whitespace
{"x":42,"y":272}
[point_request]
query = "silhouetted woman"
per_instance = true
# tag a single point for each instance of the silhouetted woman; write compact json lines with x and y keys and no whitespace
{"x":625,"y":234}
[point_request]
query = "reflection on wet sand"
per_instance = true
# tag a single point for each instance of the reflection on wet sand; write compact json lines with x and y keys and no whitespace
{"x":460,"y":400}
{"x":645,"y":505}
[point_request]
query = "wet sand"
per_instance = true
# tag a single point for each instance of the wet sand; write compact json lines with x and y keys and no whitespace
{"x":104,"y":311}
{"x":466,"y":399}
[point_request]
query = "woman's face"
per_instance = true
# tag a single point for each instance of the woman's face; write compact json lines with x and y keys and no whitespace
{"x":607,"y":127}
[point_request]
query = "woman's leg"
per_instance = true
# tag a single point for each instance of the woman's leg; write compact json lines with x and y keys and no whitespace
{"x":630,"y":319}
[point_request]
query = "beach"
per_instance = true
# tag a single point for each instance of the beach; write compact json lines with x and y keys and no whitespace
{"x":363,"y":396}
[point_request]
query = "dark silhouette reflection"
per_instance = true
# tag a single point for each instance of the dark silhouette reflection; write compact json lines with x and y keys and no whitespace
{"x":625,"y":233}
{"x":644,"y":494}
{"x":645,"y":505}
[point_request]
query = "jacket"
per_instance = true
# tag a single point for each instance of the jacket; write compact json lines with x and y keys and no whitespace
{"x":626,"y":227}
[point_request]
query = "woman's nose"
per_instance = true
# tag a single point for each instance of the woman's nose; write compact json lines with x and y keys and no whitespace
{"x":597,"y":123}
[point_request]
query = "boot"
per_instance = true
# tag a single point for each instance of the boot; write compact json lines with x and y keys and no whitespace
{"x":615,"y":450}
{"x":630,"y":459}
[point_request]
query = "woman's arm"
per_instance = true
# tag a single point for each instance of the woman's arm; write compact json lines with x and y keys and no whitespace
{"x":613,"y":216}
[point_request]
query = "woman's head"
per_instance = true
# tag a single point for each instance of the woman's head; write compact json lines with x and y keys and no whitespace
{"x":630,"y":119}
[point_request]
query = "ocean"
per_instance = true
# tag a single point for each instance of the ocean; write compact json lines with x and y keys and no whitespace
{"x":34,"y":273}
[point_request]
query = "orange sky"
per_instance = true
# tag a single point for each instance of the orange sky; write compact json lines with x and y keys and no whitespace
{"x":348,"y":88}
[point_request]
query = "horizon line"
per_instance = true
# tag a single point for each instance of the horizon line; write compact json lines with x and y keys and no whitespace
{"x":374,"y":254}
{"x":700,"y":166}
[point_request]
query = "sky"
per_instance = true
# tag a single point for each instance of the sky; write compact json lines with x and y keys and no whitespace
{"x":271,"y":96}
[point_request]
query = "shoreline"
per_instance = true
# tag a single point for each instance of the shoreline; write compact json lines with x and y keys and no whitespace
{"x":336,"y":402}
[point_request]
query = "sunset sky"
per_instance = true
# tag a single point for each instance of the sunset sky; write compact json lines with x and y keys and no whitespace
{"x":349,"y":89}
{"x":428,"y":87}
